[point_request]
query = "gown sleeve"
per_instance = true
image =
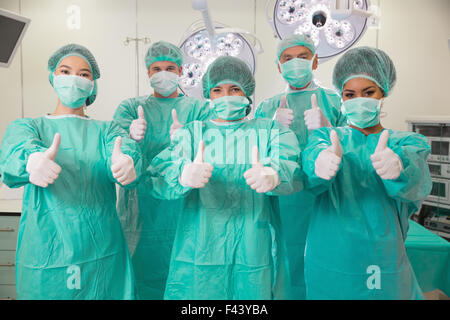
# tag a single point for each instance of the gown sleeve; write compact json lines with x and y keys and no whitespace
{"x":259,"y":111}
{"x":162,"y":176}
{"x":203,"y":111}
{"x":414,"y":183}
{"x":268,"y":107}
{"x":340,"y":120}
{"x":125,"y":114}
{"x":20,"y":140}
{"x":264,"y":109}
{"x":129,"y":147}
{"x":284,"y":156}
{"x":318,"y":141}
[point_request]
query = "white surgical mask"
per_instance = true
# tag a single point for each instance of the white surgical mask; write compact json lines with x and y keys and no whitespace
{"x":231,"y":107}
{"x":362,"y":112}
{"x":164,"y":82}
{"x":298,"y":72}
{"x":73,"y":91}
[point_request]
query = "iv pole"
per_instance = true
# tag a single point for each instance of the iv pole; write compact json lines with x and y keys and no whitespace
{"x":145,"y":40}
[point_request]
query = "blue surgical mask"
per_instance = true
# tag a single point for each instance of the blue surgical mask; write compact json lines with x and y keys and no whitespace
{"x":164,"y":82}
{"x":362,"y":112}
{"x":73,"y":91}
{"x":231,"y":107}
{"x":297,"y":72}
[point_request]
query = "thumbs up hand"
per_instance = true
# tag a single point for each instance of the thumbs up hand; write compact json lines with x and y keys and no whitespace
{"x":387,"y":164}
{"x":259,"y":178}
{"x":314,"y":118}
{"x":328,"y":162}
{"x":197,"y":174}
{"x":284,"y":115}
{"x":41,"y":166}
{"x":175,"y":125}
{"x":122,"y":165}
{"x":139,"y":126}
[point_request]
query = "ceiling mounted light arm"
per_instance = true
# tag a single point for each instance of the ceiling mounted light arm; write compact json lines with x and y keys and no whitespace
{"x":194,"y":27}
{"x":268,"y":17}
{"x":205,"y":41}
{"x":202,"y":6}
{"x":342,"y":9}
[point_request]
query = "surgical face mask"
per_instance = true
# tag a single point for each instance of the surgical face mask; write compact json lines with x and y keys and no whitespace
{"x":362,"y":112}
{"x":297,"y":72}
{"x":231,"y":107}
{"x":72,"y":90}
{"x":164,"y":82}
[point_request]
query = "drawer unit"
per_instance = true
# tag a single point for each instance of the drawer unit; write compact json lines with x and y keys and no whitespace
{"x":7,"y":267}
{"x":8,"y":292}
{"x":9,"y":225}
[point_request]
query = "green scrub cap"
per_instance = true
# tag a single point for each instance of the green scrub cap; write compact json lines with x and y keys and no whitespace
{"x":293,"y":41}
{"x":163,"y":51}
{"x":82,"y":52}
{"x":365,"y":62}
{"x":227,"y":69}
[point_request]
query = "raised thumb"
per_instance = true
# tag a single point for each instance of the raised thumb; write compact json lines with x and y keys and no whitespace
{"x":200,"y":157}
{"x":141,"y":113}
{"x":255,"y":157}
{"x":117,"y":148}
{"x":175,"y":116}
{"x":283,"y":102}
{"x":314,"y":103}
{"x":382,"y":142}
{"x":53,"y":150}
{"x":336,"y":147}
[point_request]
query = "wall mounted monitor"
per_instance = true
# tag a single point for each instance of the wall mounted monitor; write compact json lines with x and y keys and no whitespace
{"x":12,"y":30}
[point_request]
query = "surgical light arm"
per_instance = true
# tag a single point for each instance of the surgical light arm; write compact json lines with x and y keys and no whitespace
{"x":341,"y":9}
{"x":202,"y":6}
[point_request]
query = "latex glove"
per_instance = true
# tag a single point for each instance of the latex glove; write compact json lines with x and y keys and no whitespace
{"x":139,"y":126}
{"x":284,"y":115}
{"x":259,"y":178}
{"x":122,"y":165}
{"x":328,"y":161}
{"x":41,"y":166}
{"x":314,"y":118}
{"x":387,"y":164}
{"x":175,"y":125}
{"x":197,"y":174}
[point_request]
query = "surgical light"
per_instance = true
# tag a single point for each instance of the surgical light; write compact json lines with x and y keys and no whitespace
{"x":205,"y":41}
{"x":333,"y":25}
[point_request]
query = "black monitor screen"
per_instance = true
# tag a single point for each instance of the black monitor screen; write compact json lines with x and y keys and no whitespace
{"x":435,"y":169}
{"x":440,"y":148}
{"x":10,"y":31}
{"x":438,"y":189}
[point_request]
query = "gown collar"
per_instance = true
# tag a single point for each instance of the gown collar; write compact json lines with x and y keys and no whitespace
{"x":312,"y":86}
{"x":48,"y":116}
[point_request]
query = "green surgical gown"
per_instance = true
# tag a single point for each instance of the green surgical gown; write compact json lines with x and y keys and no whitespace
{"x":296,"y":209}
{"x":149,"y":223}
{"x":356,"y":238}
{"x":229,"y":243}
{"x":70,"y":241}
